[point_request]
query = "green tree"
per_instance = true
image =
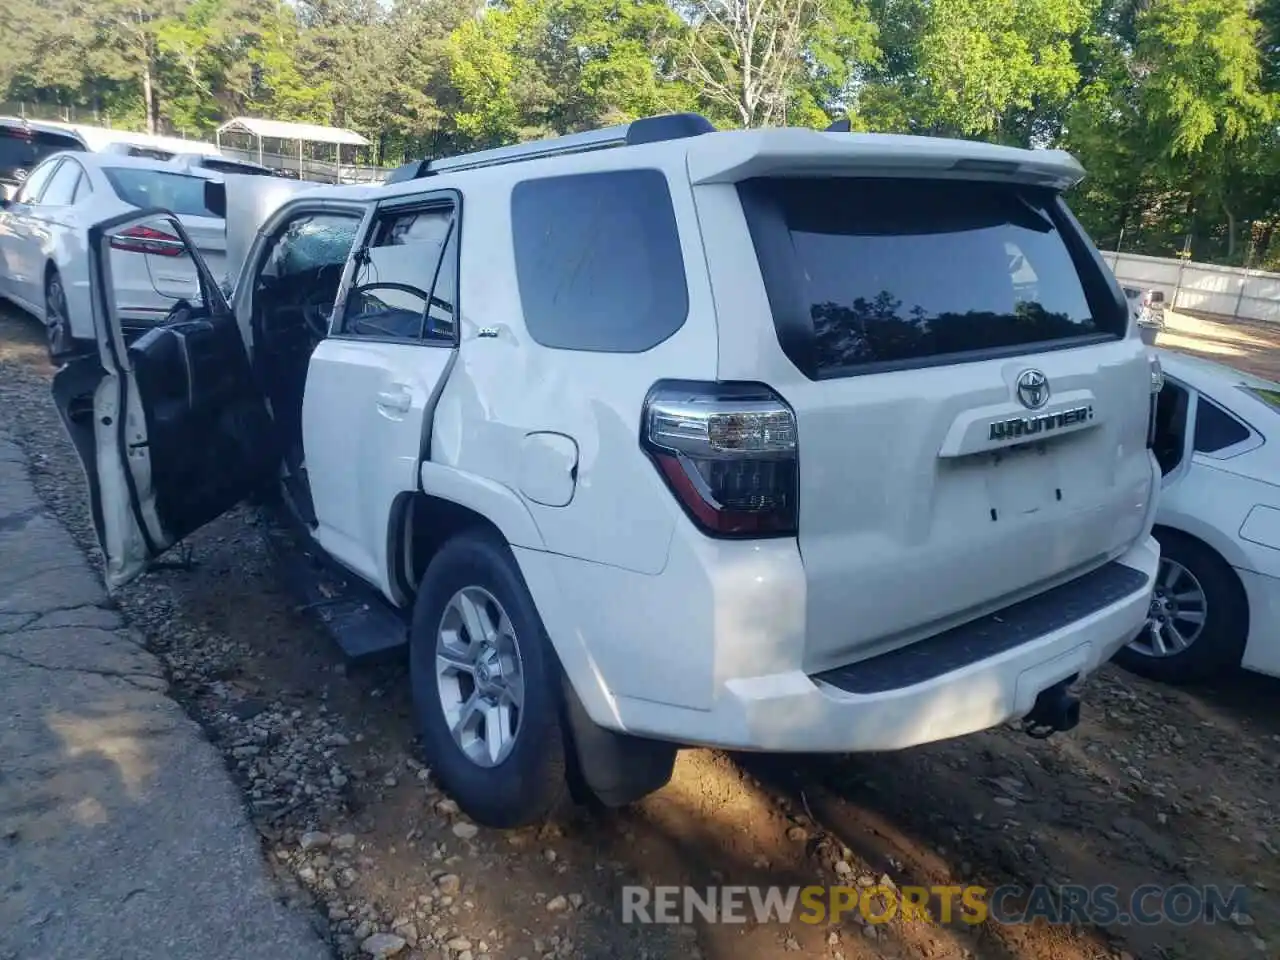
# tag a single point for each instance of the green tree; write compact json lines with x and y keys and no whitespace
{"x":226,"y":58}
{"x":970,"y":67}
{"x":535,"y":67}
{"x":768,"y":62}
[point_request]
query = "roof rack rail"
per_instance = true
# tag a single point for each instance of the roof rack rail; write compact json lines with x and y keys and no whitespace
{"x":674,"y":126}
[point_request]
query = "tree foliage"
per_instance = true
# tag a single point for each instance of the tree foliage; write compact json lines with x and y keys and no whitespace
{"x":1170,"y":104}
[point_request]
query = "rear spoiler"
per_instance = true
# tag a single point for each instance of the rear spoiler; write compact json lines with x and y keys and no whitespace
{"x":740,"y":155}
{"x":407,"y":171}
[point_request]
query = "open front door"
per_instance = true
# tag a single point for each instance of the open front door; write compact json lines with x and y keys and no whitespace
{"x":166,"y":418}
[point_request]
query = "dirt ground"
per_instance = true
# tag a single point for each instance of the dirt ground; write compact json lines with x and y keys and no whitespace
{"x":1156,"y":786}
{"x":1250,"y":345}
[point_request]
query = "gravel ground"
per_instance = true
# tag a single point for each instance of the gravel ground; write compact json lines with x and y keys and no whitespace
{"x":1157,"y":786}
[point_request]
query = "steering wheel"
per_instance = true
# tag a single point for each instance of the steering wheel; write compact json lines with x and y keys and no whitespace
{"x":317,"y":309}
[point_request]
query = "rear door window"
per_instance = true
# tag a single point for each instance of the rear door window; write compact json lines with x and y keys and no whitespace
{"x":403,"y":285}
{"x":30,"y":191}
{"x":870,"y":274}
{"x":62,"y":188}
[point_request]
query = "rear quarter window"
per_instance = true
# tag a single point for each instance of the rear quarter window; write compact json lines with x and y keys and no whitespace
{"x":598,"y":261}
{"x":872,"y":274}
{"x":141,"y":187}
{"x":1216,"y":429}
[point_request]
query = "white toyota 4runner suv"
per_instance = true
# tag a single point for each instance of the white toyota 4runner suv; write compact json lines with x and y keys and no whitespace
{"x":658,"y":436}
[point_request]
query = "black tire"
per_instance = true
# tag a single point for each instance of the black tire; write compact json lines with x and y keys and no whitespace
{"x":526,"y":786}
{"x":1220,"y":644}
{"x":56,"y":321}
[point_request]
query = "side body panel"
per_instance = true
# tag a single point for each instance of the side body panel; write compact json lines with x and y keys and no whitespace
{"x":1226,"y":511}
{"x":514,"y":413}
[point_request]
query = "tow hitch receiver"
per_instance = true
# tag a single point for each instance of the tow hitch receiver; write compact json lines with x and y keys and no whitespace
{"x":1055,"y":709}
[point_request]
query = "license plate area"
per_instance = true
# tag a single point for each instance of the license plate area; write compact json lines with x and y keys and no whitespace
{"x":1021,"y":482}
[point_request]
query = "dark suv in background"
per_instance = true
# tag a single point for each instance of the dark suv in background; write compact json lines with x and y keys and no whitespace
{"x":23,"y":144}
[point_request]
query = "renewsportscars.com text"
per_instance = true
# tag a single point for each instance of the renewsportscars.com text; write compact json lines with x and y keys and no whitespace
{"x":1102,"y":905}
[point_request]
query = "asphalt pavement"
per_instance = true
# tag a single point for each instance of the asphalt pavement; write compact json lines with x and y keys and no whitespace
{"x":121,"y":834}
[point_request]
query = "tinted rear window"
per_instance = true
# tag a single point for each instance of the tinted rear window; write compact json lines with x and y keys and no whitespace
{"x":19,"y":149}
{"x":230,"y":166}
{"x":598,"y":261}
{"x":867,"y":273}
{"x":176,"y":192}
{"x":150,"y":153}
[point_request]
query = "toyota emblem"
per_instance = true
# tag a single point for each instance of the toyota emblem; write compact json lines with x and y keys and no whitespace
{"x":1033,"y":389}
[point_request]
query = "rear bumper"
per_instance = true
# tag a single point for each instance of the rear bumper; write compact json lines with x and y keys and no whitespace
{"x":792,"y":711}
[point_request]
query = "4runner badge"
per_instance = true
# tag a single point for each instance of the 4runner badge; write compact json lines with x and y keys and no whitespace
{"x":1018,"y":427}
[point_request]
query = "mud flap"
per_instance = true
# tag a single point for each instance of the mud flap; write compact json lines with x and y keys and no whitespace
{"x":614,"y":769}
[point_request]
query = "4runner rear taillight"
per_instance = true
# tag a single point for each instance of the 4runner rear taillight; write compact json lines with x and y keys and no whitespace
{"x":728,"y":453}
{"x":1157,"y":384}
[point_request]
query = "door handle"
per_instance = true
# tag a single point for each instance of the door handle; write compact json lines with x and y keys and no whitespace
{"x":397,"y":399}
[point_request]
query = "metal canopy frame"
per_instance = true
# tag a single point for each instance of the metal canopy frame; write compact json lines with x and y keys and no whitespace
{"x":302,"y":133}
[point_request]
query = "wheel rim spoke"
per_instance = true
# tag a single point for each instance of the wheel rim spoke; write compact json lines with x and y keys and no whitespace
{"x":475,"y":618}
{"x":513,"y":693}
{"x":456,"y":658}
{"x":497,"y":730}
{"x":1155,"y":639}
{"x":1179,"y":612}
{"x":480,"y":676}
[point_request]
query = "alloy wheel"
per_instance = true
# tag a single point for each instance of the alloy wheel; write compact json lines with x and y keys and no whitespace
{"x":1177,"y":615}
{"x":479,"y":676}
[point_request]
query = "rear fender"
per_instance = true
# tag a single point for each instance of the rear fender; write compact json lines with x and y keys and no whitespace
{"x":506,"y":511}
{"x":497,"y":503}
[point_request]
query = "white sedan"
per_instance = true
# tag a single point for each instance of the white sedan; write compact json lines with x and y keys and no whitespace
{"x":44,"y":236}
{"x":1217,"y":601}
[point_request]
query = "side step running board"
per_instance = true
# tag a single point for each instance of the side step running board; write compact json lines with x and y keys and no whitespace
{"x":364,"y":625}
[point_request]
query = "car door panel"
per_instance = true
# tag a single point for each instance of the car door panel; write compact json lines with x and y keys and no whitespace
{"x":364,"y":414}
{"x":21,"y":241}
{"x":207,"y":429}
{"x":170,"y":427}
{"x":46,"y":223}
{"x":372,"y":384}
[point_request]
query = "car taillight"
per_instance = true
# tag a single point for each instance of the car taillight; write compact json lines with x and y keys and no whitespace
{"x":728,"y":453}
{"x":1157,"y":384}
{"x":148,"y":240}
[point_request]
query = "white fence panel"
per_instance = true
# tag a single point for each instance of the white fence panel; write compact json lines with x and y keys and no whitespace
{"x":1203,"y":287}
